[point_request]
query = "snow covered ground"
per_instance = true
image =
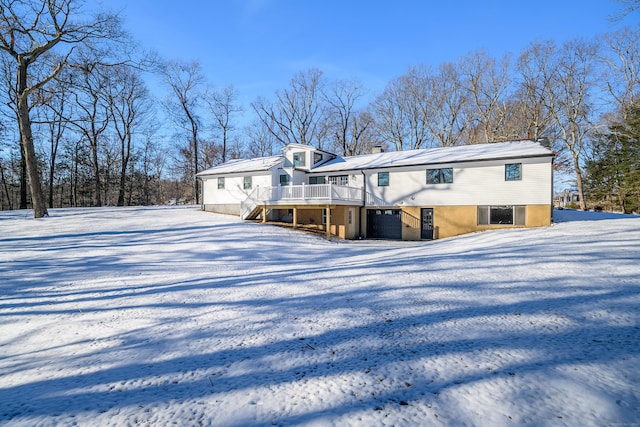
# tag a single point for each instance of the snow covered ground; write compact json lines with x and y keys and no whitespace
{"x":173,"y":316}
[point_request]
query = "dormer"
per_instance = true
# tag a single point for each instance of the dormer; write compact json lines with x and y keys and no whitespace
{"x":305,"y":157}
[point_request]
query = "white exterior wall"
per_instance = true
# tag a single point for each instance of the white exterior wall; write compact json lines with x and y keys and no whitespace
{"x":480,"y":183}
{"x":233,"y":191}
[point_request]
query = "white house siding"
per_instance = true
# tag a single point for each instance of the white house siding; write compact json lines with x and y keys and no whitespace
{"x":227,"y":199}
{"x":474,"y":183}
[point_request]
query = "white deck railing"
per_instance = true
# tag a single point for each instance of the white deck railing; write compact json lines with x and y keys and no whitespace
{"x":299,"y":194}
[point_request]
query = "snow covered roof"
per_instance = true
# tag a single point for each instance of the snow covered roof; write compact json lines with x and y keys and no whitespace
{"x":465,"y":153}
{"x":244,"y":165}
{"x":498,"y":150}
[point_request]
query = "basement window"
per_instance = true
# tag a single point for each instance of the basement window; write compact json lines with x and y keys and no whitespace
{"x":501,"y":215}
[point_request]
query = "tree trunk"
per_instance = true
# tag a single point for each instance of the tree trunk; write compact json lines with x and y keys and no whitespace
{"x":125,"y":154}
{"x":579,"y":183}
{"x":5,"y":187}
{"x":31,"y":161}
{"x":96,"y":173}
{"x":23,"y":178}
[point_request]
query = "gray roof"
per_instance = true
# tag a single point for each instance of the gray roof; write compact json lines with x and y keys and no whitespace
{"x":246,"y":165}
{"x":464,"y":153}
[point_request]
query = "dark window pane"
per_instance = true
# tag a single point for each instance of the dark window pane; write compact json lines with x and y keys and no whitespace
{"x":440,"y":176}
{"x":447,"y":175}
{"x":383,"y":179}
{"x":433,"y":176}
{"x":299,"y":159}
{"x":501,"y":215}
{"x":513,"y":171}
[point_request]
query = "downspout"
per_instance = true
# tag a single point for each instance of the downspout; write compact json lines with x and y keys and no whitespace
{"x":364,"y":202}
{"x":552,"y":186}
{"x":201,"y":185}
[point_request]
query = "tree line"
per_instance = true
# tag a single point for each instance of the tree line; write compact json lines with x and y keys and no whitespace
{"x":79,"y":125}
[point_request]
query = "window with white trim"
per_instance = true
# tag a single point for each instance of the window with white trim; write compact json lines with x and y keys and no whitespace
{"x":221,"y":183}
{"x":284,"y":179}
{"x":299,"y":159}
{"x":339,"y":180}
{"x":317,"y":180}
{"x":248,"y":183}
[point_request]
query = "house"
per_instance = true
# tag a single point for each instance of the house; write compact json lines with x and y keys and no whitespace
{"x":410,"y":195}
{"x":567,"y":198}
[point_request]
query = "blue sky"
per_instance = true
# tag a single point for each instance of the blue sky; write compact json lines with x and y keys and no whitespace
{"x":258,"y":45}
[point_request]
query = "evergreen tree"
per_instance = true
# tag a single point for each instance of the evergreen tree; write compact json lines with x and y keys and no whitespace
{"x":614,"y":170}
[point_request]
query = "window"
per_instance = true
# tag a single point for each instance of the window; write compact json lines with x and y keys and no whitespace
{"x":317,"y":180}
{"x":299,"y":159}
{"x":440,"y":176}
{"x":383,"y":179}
{"x":221,"y":183}
{"x":339,"y":180}
{"x":284,"y":179}
{"x":513,"y":172}
{"x":248,"y":181}
{"x":317,"y":157}
{"x":496,"y":215}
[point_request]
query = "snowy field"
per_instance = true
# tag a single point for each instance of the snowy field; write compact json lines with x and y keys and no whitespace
{"x":173,"y":316}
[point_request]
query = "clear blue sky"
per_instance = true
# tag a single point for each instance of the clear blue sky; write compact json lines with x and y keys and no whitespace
{"x":258,"y":45}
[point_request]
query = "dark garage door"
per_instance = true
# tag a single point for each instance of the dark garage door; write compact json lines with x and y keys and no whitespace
{"x":384,"y":224}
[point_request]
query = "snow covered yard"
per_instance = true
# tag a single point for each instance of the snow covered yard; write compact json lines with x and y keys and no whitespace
{"x":173,"y":316}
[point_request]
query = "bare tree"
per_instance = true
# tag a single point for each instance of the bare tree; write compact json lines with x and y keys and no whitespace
{"x":446,"y":106}
{"x":186,"y":81}
{"x":55,"y":99}
{"x":128,"y":104}
{"x":363,"y":137}
{"x":400,"y":111}
{"x":298,"y":115}
{"x":487,"y":82}
{"x":260,"y":140}
{"x":223,"y":106}
{"x":535,"y":68}
{"x":572,"y":98}
{"x":31,"y":31}
{"x":630,"y":6}
{"x":622,"y":68}
{"x":346,"y":129}
{"x":91,"y":113}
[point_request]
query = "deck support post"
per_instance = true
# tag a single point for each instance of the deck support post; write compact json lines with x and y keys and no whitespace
{"x":328,"y":216}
